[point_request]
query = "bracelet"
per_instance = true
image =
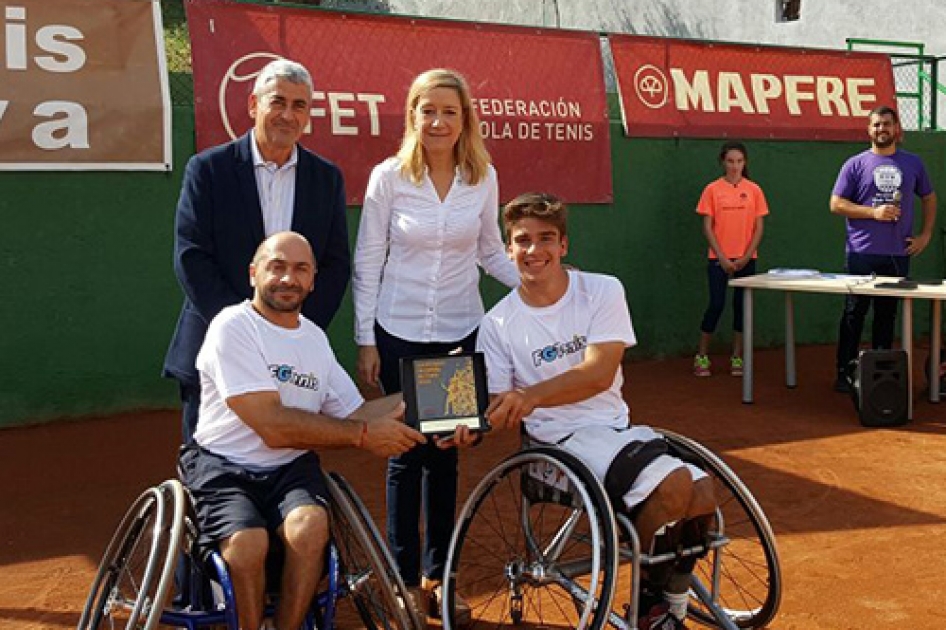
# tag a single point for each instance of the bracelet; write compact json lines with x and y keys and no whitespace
{"x":364,"y":433}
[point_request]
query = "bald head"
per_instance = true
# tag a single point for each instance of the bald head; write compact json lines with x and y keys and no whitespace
{"x":282,"y":275}
{"x":289,"y":241}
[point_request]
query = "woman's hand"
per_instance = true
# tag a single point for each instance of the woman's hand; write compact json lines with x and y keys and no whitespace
{"x":462,"y":437}
{"x":369,"y":365}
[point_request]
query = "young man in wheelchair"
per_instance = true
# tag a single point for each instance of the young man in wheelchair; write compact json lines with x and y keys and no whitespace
{"x":271,"y":392}
{"x":553,"y":350}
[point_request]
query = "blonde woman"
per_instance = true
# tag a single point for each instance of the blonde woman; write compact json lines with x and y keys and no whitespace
{"x":430,"y":218}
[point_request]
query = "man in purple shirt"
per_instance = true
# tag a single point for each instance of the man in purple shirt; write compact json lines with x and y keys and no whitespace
{"x":876,"y":191}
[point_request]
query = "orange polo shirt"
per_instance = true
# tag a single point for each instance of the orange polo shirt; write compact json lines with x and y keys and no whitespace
{"x":734,"y":208}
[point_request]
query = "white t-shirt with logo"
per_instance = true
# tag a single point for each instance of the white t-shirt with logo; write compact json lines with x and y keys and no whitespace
{"x":244,"y":353}
{"x":524,"y":345}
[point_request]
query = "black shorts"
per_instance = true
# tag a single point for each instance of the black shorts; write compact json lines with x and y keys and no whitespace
{"x":229,"y":498}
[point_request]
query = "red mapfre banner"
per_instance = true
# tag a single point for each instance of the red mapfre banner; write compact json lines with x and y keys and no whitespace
{"x":540,"y":94}
{"x":692,"y":89}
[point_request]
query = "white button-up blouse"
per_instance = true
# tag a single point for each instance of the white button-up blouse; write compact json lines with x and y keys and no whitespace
{"x":415,"y":264}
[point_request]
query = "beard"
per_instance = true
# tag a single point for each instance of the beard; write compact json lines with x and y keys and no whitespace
{"x":290,"y":304}
{"x":886,"y":142}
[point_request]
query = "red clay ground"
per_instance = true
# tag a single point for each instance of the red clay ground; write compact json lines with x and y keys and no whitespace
{"x":860,"y":514}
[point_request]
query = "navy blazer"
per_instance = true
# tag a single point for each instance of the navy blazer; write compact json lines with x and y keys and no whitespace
{"x":219,"y":225}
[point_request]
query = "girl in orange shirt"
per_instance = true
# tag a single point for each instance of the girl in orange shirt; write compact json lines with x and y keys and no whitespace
{"x":732,"y":208}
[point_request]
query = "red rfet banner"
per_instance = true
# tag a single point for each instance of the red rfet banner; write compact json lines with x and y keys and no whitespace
{"x":693,"y":89}
{"x":540,"y":94}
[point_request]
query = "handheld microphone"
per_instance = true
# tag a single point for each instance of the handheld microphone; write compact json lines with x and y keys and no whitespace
{"x":895,"y":201}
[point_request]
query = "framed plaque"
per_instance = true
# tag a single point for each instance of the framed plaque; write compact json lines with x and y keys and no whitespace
{"x":442,"y":392}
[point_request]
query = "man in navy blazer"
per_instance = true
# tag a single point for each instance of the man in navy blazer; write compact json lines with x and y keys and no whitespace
{"x":237,"y":194}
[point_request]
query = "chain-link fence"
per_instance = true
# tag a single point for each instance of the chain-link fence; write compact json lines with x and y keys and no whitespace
{"x":177,"y":41}
{"x":920,"y":96}
{"x":921,"y":99}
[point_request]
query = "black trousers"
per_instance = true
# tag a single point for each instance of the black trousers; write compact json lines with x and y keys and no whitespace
{"x":423,"y":474}
{"x":718,"y":282}
{"x":856,"y":307}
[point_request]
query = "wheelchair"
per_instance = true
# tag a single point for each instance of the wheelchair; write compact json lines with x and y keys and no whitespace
{"x":537,"y":544}
{"x":154,"y":573}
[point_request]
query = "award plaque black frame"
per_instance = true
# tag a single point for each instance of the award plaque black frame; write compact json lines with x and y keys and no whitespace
{"x":444,"y":391}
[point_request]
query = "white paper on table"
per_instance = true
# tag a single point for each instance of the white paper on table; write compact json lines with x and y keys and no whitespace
{"x":794,"y":274}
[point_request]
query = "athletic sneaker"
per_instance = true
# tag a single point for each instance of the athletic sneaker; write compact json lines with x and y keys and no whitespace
{"x":659,"y":618}
{"x":735,"y":366}
{"x":701,"y":365}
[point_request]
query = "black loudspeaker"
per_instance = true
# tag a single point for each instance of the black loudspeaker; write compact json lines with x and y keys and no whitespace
{"x":882,"y":388}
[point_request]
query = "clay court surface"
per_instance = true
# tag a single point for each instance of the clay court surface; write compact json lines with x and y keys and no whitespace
{"x":860,"y":514}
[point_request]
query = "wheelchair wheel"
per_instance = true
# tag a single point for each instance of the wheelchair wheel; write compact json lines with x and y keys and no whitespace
{"x":743,"y":577}
{"x":136,"y":573}
{"x":368,"y":573}
{"x":531,"y":553}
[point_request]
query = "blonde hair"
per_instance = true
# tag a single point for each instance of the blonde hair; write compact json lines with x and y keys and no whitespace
{"x":469,"y":153}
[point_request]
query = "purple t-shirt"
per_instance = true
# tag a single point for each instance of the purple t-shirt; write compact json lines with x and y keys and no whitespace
{"x":869,"y":179}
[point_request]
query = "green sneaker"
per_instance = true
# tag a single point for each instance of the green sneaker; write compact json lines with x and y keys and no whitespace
{"x":735,"y":366}
{"x":701,"y":365}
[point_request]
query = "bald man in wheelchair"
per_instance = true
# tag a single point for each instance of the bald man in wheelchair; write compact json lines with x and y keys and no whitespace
{"x":553,"y":350}
{"x":271,"y":393}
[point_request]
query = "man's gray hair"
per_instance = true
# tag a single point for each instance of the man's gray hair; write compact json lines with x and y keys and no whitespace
{"x":282,"y":69}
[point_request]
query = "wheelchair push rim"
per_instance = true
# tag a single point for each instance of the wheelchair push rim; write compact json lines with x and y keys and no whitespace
{"x":368,"y":573}
{"x":135,"y":575}
{"x":742,"y":576}
{"x":556,"y":561}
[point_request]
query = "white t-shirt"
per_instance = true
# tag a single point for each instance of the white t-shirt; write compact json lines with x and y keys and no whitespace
{"x":524,"y":345}
{"x":415,"y":263}
{"x":243,"y":353}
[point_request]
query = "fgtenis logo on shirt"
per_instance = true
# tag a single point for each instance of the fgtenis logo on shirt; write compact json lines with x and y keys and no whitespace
{"x":288,"y":374}
{"x":559,"y":349}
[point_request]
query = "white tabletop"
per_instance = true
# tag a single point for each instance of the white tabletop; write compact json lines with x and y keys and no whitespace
{"x":838,"y":283}
{"x":810,"y":281}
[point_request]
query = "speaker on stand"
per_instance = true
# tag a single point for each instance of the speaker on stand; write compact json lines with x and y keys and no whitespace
{"x":881,"y":387}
